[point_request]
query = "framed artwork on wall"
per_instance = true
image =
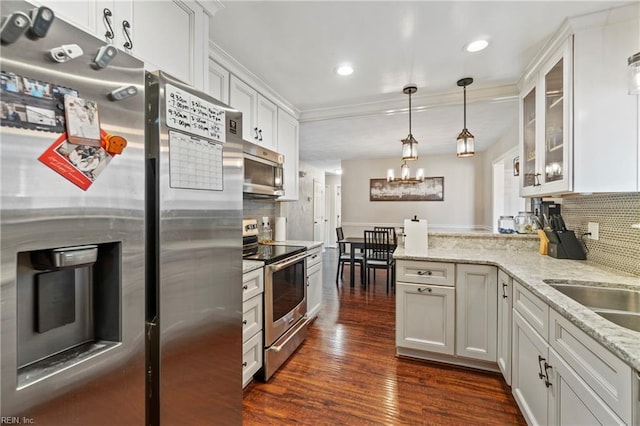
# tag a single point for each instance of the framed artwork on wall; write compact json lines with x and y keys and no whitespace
{"x":431,"y":189}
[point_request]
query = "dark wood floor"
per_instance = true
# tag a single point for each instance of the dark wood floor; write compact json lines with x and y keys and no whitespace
{"x":346,"y":373}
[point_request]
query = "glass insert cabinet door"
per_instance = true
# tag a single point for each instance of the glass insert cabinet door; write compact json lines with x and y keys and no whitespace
{"x":529,"y":138}
{"x":553,"y":124}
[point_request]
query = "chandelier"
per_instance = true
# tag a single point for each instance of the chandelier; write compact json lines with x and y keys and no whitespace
{"x":409,"y":149}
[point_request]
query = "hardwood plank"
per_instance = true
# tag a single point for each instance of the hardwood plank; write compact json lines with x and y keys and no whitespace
{"x":347,"y":372}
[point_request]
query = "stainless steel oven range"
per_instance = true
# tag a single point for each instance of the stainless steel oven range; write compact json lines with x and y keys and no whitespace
{"x":285,"y":298}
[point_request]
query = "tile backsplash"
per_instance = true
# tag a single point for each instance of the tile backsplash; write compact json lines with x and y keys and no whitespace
{"x":618,"y":246}
{"x":256,"y":209}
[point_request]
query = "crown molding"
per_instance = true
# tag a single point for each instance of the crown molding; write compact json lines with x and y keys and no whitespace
{"x":210,"y":6}
{"x":398,"y":105}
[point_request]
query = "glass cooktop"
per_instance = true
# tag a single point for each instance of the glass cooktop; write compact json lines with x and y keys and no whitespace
{"x":271,"y":253}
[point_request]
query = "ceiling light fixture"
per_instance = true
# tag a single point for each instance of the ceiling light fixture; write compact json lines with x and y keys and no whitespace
{"x":634,"y":74}
{"x":344,"y":69}
{"x":409,"y":149}
{"x":476,"y":46}
{"x":465,"y":139}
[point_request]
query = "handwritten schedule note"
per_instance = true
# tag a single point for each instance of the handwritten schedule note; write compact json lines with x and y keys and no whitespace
{"x":194,"y":115}
{"x":194,"y":163}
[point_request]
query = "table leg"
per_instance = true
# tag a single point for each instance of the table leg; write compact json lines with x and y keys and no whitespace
{"x":352,"y":266}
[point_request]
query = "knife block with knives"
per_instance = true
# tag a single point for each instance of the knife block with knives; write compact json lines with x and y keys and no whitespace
{"x":563,"y":243}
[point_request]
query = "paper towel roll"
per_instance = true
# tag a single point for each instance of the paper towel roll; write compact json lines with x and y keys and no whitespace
{"x":416,"y":237}
{"x":281,"y":229}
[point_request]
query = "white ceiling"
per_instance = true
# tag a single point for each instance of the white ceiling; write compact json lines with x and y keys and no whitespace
{"x":294,"y":46}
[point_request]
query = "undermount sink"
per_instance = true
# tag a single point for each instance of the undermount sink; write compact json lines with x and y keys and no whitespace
{"x":621,"y":306}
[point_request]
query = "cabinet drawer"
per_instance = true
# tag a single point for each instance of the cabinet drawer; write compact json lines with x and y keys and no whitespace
{"x":252,"y":283}
{"x":426,"y":272}
{"x":601,"y":370}
{"x":251,"y":317}
{"x":314,"y":256}
{"x":251,"y":358}
{"x":532,"y":309}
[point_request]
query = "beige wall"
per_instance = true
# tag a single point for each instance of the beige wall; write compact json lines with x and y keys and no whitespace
{"x":464,"y":193}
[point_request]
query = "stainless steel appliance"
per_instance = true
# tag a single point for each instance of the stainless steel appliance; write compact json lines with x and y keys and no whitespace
{"x":285,"y":299}
{"x":263,"y":172}
{"x":117,"y":307}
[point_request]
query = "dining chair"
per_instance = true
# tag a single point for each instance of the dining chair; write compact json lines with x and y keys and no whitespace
{"x":378,"y":255}
{"x":393,"y":238}
{"x":345,"y":257}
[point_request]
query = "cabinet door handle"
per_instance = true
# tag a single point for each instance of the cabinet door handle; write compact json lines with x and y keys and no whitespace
{"x":422,"y":290}
{"x":540,"y":360}
{"x":106,"y":17}
{"x":547,"y":383}
{"x":126,"y":27}
{"x":246,"y":287}
{"x":504,"y":293}
{"x":255,"y":129}
{"x":244,"y":364}
{"x":425,"y":273}
{"x":260,"y":132}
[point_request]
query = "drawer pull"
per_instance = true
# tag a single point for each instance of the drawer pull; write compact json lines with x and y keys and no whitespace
{"x":244,"y":364}
{"x":504,"y":293}
{"x":244,"y":322}
{"x":246,"y":287}
{"x":425,"y":273}
{"x":421,"y":290}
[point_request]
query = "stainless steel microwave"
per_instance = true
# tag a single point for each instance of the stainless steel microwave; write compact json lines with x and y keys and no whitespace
{"x":263,"y":172}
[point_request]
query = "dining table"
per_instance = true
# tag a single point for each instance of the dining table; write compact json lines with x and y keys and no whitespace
{"x":355,"y":243}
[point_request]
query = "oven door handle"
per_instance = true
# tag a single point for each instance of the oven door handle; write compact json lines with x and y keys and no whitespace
{"x":303,"y":323}
{"x":275,"y":267}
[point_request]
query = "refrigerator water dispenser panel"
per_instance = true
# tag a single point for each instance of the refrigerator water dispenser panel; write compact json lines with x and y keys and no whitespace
{"x":55,"y":299}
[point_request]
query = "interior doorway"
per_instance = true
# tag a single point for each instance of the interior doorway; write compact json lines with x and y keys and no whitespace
{"x":318,"y":210}
{"x":506,"y":187}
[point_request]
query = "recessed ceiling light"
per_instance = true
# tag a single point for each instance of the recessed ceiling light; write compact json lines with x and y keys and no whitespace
{"x":344,"y":69}
{"x":476,"y":45}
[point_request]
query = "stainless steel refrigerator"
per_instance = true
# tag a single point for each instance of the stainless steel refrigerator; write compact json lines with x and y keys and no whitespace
{"x":120,"y":279}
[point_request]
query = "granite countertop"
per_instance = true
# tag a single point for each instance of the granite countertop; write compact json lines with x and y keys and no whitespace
{"x":308,"y":244}
{"x":250,"y":265}
{"x":530,"y":269}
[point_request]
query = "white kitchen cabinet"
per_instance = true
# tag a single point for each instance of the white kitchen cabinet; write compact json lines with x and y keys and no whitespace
{"x":563,"y":376}
{"x":252,"y":323}
{"x":288,"y":132}
{"x":530,"y":352}
{"x":169,"y":35}
{"x":218,"y":82}
{"x":505,"y":305}
{"x":573,"y":98}
{"x":476,"y":312}
{"x":546,"y":127}
{"x":314,"y":282}
{"x":259,"y":114}
{"x":425,"y":317}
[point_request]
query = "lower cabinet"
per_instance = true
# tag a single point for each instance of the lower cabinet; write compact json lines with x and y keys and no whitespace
{"x":447,"y":309}
{"x":505,"y":305}
{"x":562,"y":376}
{"x":314,"y":282}
{"x":425,"y":316}
{"x":252,"y":323}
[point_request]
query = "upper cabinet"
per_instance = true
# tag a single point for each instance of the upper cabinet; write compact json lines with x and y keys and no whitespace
{"x":288,"y":146}
{"x":578,"y":124}
{"x":218,"y":82}
{"x":259,"y":114}
{"x":168,"y":35}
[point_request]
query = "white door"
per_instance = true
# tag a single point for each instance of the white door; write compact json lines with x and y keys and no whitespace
{"x":318,"y":211}
{"x":338,"y":206}
{"x":327,"y":216}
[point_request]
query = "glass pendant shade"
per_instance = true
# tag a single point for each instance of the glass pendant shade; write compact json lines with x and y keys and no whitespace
{"x":409,"y":148}
{"x":465,"y":146}
{"x":634,"y":74}
{"x":390,"y":175}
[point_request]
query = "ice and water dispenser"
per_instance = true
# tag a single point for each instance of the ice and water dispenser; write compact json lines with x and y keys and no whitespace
{"x":68,"y":307}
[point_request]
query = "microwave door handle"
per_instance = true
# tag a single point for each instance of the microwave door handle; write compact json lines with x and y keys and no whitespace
{"x":286,"y":263}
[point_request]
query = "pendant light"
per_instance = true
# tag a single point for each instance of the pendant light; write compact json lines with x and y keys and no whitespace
{"x":465,"y":139}
{"x":409,"y":149}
